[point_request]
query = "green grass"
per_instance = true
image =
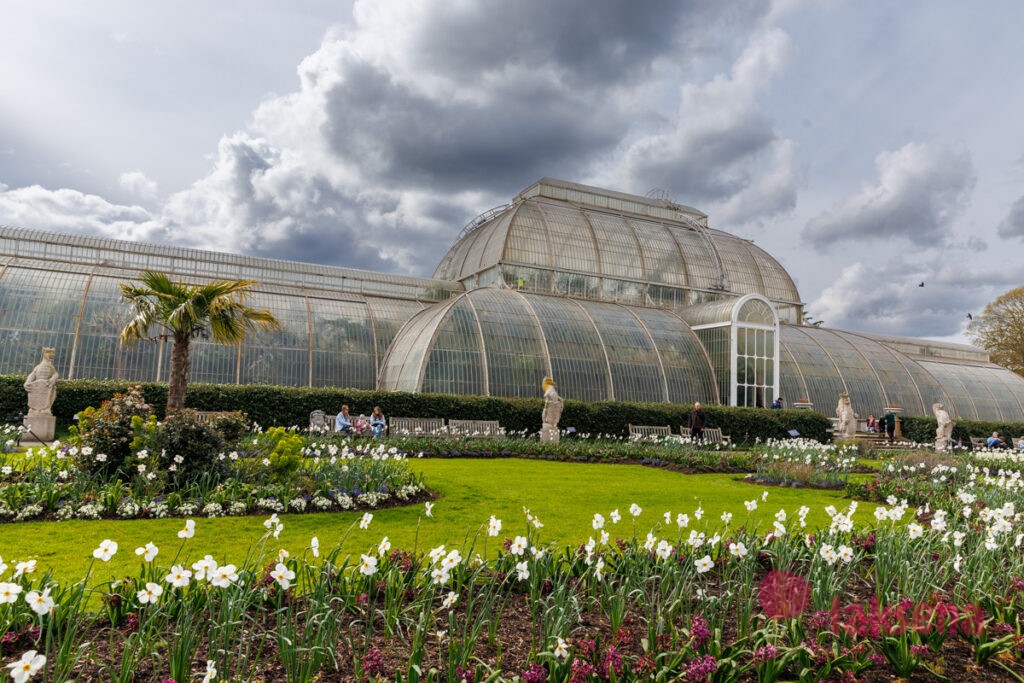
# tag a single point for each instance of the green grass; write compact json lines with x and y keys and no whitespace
{"x":564,"y":496}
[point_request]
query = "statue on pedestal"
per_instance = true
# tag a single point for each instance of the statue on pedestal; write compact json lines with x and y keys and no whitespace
{"x":41,"y":385}
{"x":552,"y":412}
{"x":944,"y":428}
{"x":847,"y":426}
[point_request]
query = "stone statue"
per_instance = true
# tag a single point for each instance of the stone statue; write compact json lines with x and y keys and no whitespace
{"x":944,"y":429}
{"x":847,"y":426}
{"x":552,"y":412}
{"x":41,"y":385}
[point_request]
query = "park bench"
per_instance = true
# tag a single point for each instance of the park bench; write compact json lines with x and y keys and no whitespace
{"x":320,"y":422}
{"x":211,"y":415}
{"x":474,"y":428}
{"x":416,"y":426}
{"x":978,"y":441}
{"x":713,"y":435}
{"x":647,"y":431}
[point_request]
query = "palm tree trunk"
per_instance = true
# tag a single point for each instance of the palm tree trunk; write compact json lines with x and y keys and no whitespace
{"x":179,"y":372}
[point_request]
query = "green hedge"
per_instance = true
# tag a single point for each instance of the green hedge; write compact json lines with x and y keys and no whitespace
{"x":274,"y":405}
{"x":922,"y":429}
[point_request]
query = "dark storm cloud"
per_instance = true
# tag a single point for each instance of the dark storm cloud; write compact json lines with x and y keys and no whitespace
{"x":1013,"y":224}
{"x":921,"y":190}
{"x":590,"y":44}
{"x":519,"y":133}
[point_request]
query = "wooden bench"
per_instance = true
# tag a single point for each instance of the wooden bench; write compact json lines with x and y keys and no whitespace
{"x":713,"y":435}
{"x":474,"y":428}
{"x":211,"y":415}
{"x":416,"y":426}
{"x":978,"y":442}
{"x":646,"y":431}
{"x":320,"y":422}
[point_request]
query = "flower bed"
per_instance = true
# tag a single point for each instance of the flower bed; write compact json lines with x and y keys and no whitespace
{"x":51,"y":483}
{"x":676,"y":597}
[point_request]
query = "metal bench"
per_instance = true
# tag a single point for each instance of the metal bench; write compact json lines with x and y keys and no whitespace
{"x":646,"y":431}
{"x":416,"y":426}
{"x":475,"y":428}
{"x":978,"y":441}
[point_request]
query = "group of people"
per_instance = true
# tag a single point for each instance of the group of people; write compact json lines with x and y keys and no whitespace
{"x":885,"y":424}
{"x":361,"y":426}
{"x":996,"y":441}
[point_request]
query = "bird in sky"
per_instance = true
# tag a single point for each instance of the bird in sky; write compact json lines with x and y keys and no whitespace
{"x":970,"y":317}
{"x":921,"y":285}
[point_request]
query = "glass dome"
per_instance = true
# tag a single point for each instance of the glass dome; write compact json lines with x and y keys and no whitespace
{"x":500,"y":342}
{"x":557,"y":227}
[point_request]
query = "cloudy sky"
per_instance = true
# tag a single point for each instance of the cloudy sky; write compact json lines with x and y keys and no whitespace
{"x":869,"y":146}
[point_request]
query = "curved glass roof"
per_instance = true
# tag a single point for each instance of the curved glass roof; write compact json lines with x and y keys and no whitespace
{"x":642,"y":240}
{"x":819,"y":364}
{"x":500,"y":342}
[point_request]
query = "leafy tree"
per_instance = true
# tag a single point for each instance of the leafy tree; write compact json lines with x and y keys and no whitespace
{"x":186,"y":311}
{"x":1000,"y":330}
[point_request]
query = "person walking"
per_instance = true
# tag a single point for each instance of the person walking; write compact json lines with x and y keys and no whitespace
{"x":698,"y":420}
{"x":889,"y":420}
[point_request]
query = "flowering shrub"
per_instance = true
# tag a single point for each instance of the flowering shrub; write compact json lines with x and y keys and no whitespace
{"x":106,"y":434}
{"x":189,"y":448}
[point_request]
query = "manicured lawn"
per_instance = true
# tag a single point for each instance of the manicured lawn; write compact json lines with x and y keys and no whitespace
{"x":564,"y":496}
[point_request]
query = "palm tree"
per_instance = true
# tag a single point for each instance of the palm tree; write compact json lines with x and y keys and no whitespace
{"x":186,"y":311}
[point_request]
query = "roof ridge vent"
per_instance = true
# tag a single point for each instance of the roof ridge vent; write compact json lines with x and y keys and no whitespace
{"x":481,"y":219}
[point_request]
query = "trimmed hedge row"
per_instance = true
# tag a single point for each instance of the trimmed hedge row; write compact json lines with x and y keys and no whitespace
{"x":275,"y":405}
{"x":922,"y":429}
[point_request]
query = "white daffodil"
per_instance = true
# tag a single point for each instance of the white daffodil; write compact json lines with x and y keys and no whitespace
{"x":664,"y":550}
{"x":430,"y":508}
{"x":845,"y":554}
{"x":9,"y":593}
{"x":436,"y":554}
{"x":178,"y":576}
{"x":726,"y":518}
{"x":704,"y":564}
{"x":28,"y":666}
{"x":368,"y":566}
{"x":450,"y":600}
{"x":271,"y":521}
{"x":519,"y":545}
{"x":828,"y":554}
{"x":314,"y":545}
{"x":914,"y":531}
{"x":751,"y":505}
{"x":598,"y":522}
{"x":615,"y":517}
{"x":738,"y":549}
{"x":561,"y":649}
{"x":635,"y":510}
{"x":522,"y":571}
{"x":211,"y":671}
{"x":224,"y":576}
{"x":451,"y":560}
{"x":493,"y":526}
{"x":22,"y":568}
{"x":440,"y":576}
{"x":106,"y":550}
{"x":41,"y":603}
{"x":599,"y":569}
{"x":383,"y":547}
{"x":148,"y":552}
{"x":285,"y":576}
{"x":364,"y":523}
{"x":651,"y":541}
{"x":204,"y":568}
{"x":150,"y":594}
{"x":189,"y":530}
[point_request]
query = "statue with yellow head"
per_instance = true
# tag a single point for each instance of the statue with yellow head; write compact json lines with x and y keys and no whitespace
{"x":552,"y":412}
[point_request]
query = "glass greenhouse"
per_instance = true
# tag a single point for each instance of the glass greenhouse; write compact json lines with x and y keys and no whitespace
{"x":618,"y":297}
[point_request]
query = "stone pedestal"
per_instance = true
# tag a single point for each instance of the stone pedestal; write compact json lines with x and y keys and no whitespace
{"x":41,"y":428}
{"x":549,"y":433}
